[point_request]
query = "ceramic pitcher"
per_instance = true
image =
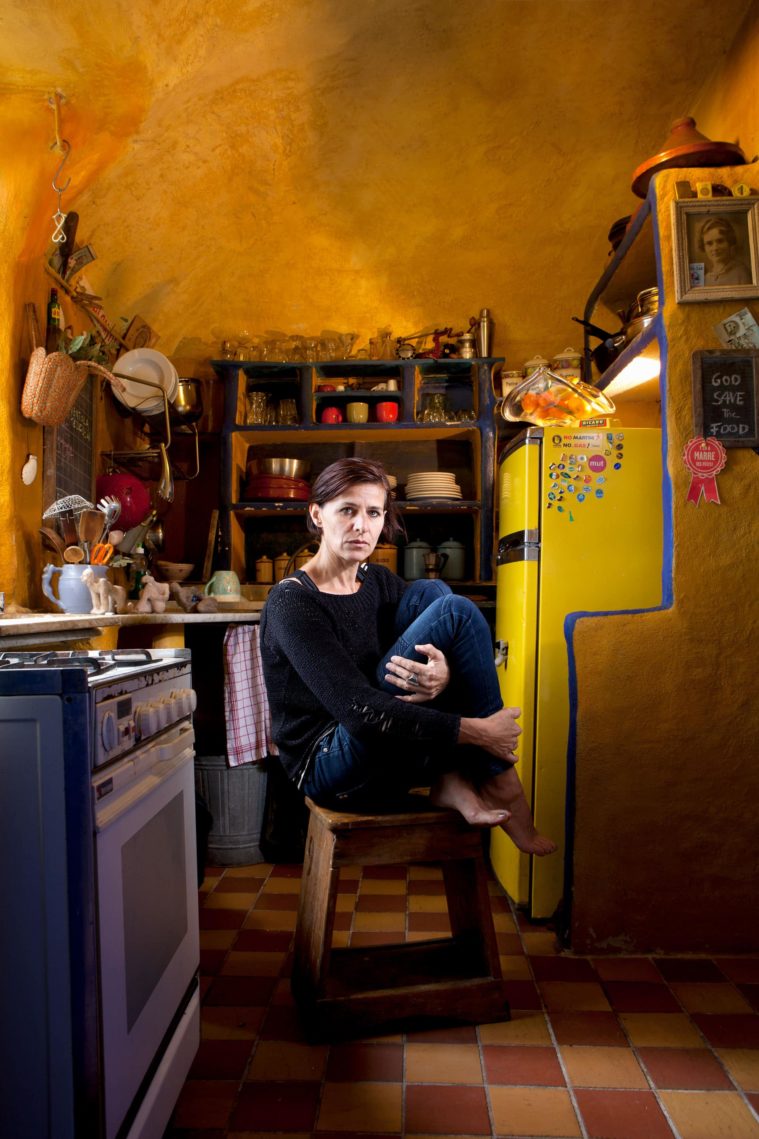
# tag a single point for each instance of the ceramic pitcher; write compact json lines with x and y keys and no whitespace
{"x":73,"y":594}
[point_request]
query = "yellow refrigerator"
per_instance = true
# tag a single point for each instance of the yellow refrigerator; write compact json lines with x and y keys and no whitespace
{"x":580,"y":525}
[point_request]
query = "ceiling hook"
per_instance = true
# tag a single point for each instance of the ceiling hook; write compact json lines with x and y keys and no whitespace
{"x":67,"y":150}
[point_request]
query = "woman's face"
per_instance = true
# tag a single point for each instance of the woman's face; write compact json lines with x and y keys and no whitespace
{"x":352,"y":523}
{"x":717,"y":245}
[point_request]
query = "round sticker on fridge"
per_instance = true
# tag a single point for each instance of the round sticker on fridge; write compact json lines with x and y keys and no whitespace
{"x":597,"y":463}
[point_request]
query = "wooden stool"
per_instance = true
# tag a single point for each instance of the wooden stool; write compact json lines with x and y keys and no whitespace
{"x":360,"y":991}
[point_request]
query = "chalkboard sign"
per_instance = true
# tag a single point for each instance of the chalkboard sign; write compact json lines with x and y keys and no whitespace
{"x":725,"y":396}
{"x":68,"y":451}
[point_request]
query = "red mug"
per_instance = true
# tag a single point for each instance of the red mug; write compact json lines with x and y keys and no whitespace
{"x":387,"y":412}
{"x":332,"y":415}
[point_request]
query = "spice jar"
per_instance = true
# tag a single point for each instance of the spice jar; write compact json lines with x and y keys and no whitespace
{"x":532,"y":365}
{"x":510,"y":380}
{"x":568,"y":364}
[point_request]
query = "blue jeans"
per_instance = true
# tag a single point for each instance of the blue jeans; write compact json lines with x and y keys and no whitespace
{"x":345,"y":771}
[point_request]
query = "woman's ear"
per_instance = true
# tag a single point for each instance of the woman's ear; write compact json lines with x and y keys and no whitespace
{"x":315,"y":512}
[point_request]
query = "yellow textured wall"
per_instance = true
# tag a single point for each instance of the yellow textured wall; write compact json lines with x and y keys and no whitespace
{"x":668,"y":720}
{"x":311,"y":164}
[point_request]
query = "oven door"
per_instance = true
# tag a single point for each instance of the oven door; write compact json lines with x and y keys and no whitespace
{"x":147,"y":916}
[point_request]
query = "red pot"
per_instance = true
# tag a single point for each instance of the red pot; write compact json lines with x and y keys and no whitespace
{"x":133,"y":495}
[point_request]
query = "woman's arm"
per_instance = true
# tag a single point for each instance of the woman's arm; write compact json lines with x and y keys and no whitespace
{"x":300,"y":630}
{"x":497,"y":734}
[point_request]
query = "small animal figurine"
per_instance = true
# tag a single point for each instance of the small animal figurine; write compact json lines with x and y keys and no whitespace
{"x":153,"y":595}
{"x":106,"y":597}
{"x":190,"y":597}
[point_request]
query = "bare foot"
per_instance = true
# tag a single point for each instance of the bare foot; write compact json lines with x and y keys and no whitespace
{"x":505,"y":790}
{"x":453,"y":792}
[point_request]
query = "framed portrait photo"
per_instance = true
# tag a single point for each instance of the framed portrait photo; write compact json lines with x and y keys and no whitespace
{"x":716,"y":248}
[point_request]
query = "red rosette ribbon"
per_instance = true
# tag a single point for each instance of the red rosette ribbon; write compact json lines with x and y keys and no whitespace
{"x":704,"y":458}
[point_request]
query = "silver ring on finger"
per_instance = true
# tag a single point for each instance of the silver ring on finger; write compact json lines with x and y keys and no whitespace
{"x":413,"y":680}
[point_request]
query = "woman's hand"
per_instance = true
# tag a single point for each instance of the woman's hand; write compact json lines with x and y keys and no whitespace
{"x":497,"y":734}
{"x":420,"y":682}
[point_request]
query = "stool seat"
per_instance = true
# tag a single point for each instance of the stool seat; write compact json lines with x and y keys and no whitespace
{"x":372,"y":989}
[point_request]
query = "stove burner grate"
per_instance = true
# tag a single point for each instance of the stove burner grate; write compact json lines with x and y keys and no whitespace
{"x":98,"y":661}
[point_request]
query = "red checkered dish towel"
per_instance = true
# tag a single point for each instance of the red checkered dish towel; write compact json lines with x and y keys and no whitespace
{"x":246,"y":707}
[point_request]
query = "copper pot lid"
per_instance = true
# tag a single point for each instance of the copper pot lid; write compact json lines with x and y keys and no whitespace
{"x":686,"y":146}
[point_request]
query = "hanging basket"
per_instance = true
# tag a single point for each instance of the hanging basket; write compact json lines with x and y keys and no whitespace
{"x":53,"y":383}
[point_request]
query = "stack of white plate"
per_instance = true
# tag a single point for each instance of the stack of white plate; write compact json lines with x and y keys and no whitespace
{"x":432,"y":484}
{"x":147,"y":365}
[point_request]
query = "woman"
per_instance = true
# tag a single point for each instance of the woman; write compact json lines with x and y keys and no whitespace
{"x":718,"y":243}
{"x":376,"y":686}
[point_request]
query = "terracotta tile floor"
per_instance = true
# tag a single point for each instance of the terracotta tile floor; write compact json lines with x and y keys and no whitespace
{"x":599,"y":1048}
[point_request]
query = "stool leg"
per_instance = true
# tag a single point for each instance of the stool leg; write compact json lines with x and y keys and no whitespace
{"x":469,"y":912}
{"x":316,"y":914}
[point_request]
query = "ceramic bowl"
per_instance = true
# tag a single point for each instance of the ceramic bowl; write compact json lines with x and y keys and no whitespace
{"x":175,"y":571}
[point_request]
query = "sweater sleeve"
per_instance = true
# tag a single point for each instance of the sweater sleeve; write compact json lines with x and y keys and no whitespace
{"x":304,"y":633}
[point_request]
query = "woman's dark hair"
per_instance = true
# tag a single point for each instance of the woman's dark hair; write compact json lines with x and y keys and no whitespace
{"x":338,"y":477}
{"x":717,"y":223}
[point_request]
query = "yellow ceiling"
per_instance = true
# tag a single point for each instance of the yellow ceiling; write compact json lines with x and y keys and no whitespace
{"x":352,"y":164}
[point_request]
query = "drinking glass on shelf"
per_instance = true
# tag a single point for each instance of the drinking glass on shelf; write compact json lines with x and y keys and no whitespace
{"x":436,"y":409}
{"x":310,"y":349}
{"x":287,"y":413}
{"x":328,"y":349}
{"x":256,"y":408}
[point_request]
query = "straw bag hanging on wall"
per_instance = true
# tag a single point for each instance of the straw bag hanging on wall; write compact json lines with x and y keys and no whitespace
{"x":53,"y":383}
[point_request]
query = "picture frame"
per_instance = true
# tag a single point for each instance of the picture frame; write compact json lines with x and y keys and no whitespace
{"x":716,"y":248}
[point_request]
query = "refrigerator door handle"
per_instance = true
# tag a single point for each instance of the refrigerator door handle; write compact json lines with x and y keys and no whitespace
{"x":519,"y":538}
{"x":507,"y":555}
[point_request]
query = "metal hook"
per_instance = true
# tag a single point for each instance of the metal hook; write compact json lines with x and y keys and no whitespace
{"x":64,"y":160}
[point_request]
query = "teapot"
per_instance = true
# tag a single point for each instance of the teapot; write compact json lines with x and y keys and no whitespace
{"x":413,"y":560}
{"x":453,"y":569}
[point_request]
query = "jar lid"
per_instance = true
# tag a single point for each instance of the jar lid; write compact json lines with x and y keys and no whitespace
{"x":536,"y":362}
{"x":568,"y":354}
{"x":512,"y":375}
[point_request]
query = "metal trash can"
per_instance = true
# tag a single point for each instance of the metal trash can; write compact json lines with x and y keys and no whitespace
{"x":236,"y":798}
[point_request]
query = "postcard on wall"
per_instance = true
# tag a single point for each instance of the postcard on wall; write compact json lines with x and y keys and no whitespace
{"x":739,"y":330}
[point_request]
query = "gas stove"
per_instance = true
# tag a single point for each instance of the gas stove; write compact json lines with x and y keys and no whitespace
{"x":133,"y":694}
{"x":95,"y":661}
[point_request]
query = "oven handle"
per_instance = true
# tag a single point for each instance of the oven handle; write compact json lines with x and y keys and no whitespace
{"x":113,"y":805}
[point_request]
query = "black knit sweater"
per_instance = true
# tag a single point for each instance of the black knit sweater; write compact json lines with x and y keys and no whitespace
{"x":319,"y":654}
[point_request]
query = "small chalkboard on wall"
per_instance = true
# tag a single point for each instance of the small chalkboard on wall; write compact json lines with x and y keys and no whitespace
{"x":726,"y":396}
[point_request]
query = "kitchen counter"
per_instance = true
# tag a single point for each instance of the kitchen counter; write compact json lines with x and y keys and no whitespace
{"x":32,"y":629}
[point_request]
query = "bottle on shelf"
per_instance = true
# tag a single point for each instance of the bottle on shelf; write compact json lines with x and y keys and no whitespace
{"x":138,"y":570}
{"x":54,"y":323}
{"x":484,"y":333}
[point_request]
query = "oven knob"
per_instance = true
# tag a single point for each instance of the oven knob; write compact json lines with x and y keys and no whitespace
{"x":193,"y":699}
{"x":183,"y":701}
{"x":146,"y":719}
{"x":109,"y":732}
{"x":163,"y":711}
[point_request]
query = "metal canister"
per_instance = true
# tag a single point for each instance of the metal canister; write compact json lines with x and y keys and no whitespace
{"x":386,"y":554}
{"x":264,"y":571}
{"x":467,"y":346}
{"x":281,"y":562}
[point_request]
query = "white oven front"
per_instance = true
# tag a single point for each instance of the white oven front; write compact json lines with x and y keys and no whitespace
{"x":147,"y":921}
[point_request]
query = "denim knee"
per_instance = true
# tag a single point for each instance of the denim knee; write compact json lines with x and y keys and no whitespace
{"x":418,"y":597}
